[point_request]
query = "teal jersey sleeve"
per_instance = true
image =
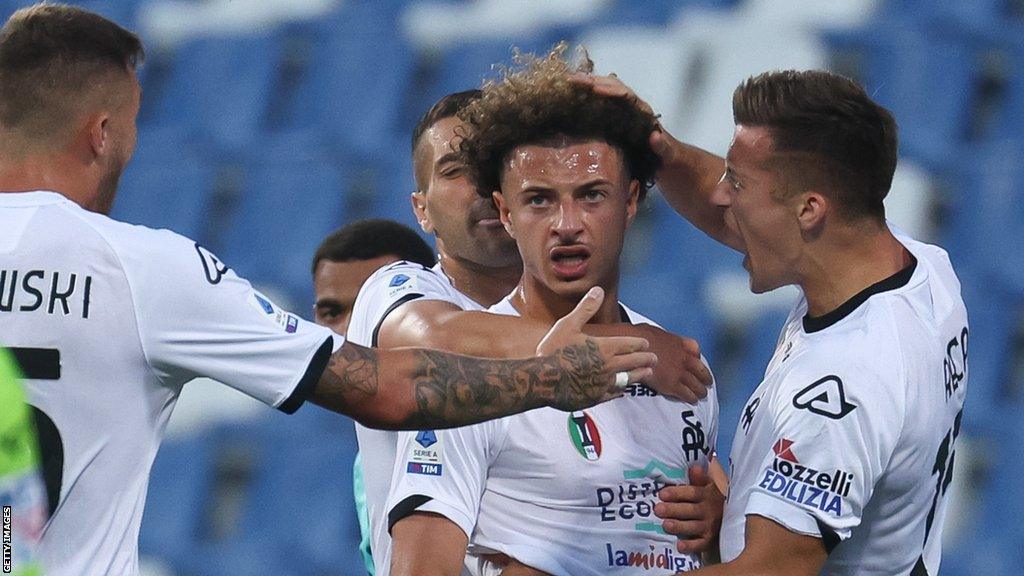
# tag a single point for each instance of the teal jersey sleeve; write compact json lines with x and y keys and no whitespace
{"x":364,"y":514}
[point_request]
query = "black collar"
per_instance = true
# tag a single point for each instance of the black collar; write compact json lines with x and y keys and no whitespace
{"x":897,"y":280}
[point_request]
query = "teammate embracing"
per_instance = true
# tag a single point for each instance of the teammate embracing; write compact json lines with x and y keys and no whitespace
{"x":843,"y":457}
{"x":565,"y":493}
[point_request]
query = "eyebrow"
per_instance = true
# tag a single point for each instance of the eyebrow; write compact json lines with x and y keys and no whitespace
{"x":584,"y":186}
{"x":449,"y":157}
{"x":328,"y":302}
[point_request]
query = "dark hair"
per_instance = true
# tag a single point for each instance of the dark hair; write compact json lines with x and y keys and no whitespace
{"x":366,"y":239}
{"x":535,"y":102}
{"x":447,"y":107}
{"x":832,"y":136}
{"x":51,"y":56}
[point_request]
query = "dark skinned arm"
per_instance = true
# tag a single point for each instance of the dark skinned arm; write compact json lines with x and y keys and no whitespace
{"x":772,"y":550}
{"x":443,"y":326}
{"x":411,"y":389}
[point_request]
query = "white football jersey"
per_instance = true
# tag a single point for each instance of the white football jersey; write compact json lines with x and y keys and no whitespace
{"x":566,"y":493}
{"x":383,"y":292}
{"x":850,"y":435}
{"x":110,"y":320}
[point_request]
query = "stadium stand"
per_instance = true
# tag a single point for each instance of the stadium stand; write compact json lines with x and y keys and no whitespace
{"x":267,"y":125}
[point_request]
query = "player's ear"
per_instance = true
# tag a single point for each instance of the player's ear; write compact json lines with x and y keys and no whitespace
{"x":419,"y":207}
{"x":812,"y":208}
{"x":97,"y":131}
{"x":633,"y":203}
{"x":503,"y":212}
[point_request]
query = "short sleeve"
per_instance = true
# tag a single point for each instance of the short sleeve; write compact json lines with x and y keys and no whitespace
{"x":444,"y":472}
{"x":834,"y":433}
{"x":196,"y":317}
{"x":387,"y":289}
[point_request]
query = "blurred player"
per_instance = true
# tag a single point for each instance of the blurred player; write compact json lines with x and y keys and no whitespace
{"x":115,"y":318}
{"x":439,"y":307}
{"x":563,"y":493}
{"x":341,"y":264}
{"x":22,"y":494}
{"x":347,"y":257}
{"x":845,"y":451}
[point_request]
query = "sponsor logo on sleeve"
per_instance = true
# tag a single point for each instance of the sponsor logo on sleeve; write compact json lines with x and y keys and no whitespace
{"x":401,"y":283}
{"x":212,"y":266}
{"x":584,"y":435}
{"x":289,"y":322}
{"x":425,"y":455}
{"x":825,"y":397}
{"x":789,"y":479}
{"x":652,"y":558}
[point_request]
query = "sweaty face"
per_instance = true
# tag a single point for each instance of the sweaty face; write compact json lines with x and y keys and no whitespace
{"x":337,"y":284}
{"x":568,"y":207}
{"x":121,"y":129}
{"x":752,"y":196}
{"x":449,"y":207}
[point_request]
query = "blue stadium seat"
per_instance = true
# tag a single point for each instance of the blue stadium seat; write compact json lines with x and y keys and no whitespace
{"x":296,"y":515}
{"x":927,"y":80}
{"x":986,"y":212}
{"x":755,"y":351}
{"x":353,"y":76}
{"x":287,"y":206}
{"x":383,"y":185}
{"x":167,"y":184}
{"x":653,"y":12}
{"x":466,"y":66}
{"x":220,"y":88}
{"x":120,"y":11}
{"x":180,"y":486}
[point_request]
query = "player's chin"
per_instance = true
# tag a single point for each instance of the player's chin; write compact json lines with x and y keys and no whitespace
{"x":570,"y":288}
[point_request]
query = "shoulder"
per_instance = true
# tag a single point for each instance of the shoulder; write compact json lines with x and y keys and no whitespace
{"x":398,"y":279}
{"x":859,"y":373}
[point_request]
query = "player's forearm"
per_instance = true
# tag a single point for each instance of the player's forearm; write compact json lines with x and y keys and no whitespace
{"x":411,"y":389}
{"x":687,"y":180}
{"x":479,"y":334}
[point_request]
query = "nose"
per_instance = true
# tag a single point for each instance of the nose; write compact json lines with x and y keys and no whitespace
{"x":720,"y":195}
{"x":569,"y":220}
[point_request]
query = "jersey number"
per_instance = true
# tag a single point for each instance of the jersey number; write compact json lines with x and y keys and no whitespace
{"x":943,"y":472}
{"x":44,"y":364}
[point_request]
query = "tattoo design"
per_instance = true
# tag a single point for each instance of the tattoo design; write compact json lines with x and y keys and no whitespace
{"x":452,"y":390}
{"x":457,"y":390}
{"x":351,"y":374}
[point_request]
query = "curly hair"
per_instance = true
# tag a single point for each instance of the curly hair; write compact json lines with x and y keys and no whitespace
{"x":535,"y":102}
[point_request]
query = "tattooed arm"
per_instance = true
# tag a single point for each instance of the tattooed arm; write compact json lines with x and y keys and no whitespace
{"x":416,"y":388}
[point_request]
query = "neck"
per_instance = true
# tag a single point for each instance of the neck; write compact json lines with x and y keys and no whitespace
{"x":485,"y":285}
{"x":30,"y":173}
{"x":536,"y":301}
{"x":848,"y":264}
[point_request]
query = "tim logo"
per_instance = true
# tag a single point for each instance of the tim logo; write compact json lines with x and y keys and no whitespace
{"x":425,"y":469}
{"x":825,"y":398}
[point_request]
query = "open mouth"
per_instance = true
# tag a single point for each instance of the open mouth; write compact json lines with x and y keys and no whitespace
{"x":570,"y":262}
